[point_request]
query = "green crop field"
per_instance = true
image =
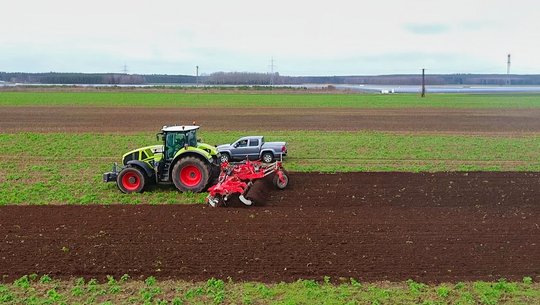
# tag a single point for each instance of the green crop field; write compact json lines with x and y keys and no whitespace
{"x":153,"y":99}
{"x":59,"y":168}
{"x":45,"y":290}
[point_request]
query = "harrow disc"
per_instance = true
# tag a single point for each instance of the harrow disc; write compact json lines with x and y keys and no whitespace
{"x":215,"y":201}
{"x":245,"y":200}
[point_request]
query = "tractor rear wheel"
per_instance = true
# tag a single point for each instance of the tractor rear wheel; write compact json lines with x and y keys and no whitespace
{"x":190,"y":174}
{"x":131,"y":180}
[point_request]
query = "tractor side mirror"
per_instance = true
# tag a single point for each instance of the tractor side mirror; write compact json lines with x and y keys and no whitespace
{"x":199,"y":140}
{"x":159,"y":136}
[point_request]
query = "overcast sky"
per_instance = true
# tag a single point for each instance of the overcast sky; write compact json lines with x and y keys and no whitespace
{"x":304,"y":37}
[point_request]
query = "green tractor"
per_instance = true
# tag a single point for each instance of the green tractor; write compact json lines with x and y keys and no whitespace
{"x":181,"y":160}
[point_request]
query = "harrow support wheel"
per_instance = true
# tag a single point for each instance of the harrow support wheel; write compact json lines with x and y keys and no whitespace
{"x":190,"y":174}
{"x":281,"y":183}
{"x":131,"y":180}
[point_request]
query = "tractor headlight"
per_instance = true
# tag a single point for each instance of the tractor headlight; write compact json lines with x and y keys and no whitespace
{"x":211,"y":160}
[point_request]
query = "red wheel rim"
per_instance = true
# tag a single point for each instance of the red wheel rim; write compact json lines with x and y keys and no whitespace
{"x":190,"y":175}
{"x":131,"y":181}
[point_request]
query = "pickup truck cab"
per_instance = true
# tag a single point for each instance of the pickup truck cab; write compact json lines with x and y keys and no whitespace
{"x":254,"y":148}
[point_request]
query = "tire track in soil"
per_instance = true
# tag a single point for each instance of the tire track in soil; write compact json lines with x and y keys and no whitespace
{"x":431,"y":227}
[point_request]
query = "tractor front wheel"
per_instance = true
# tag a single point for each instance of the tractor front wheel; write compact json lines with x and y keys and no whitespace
{"x":131,"y":180}
{"x":190,"y":174}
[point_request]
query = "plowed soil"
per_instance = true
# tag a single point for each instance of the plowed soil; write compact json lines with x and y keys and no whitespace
{"x":370,"y":226}
{"x":139,"y":119}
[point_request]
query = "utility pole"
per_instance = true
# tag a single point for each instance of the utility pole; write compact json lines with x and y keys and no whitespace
{"x":423,"y":82}
{"x":508,"y":62}
{"x":125,"y":69}
{"x":197,"y":75}
{"x":272,"y":66}
{"x":508,"y":65}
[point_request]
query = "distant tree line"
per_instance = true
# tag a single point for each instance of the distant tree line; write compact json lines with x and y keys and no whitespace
{"x":252,"y":78}
{"x":94,"y":78}
{"x":411,"y":79}
{"x":243,"y":78}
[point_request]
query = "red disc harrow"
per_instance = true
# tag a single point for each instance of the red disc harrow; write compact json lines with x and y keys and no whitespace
{"x":238,"y":179}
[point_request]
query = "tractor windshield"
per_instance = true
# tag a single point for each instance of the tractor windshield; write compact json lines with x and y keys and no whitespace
{"x":176,"y":140}
{"x":192,"y":138}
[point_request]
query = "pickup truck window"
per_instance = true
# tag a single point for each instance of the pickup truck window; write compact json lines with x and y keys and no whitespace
{"x":253,"y":142}
{"x":242,"y":143}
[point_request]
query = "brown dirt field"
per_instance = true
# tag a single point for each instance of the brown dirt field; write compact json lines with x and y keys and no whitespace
{"x":136,"y":119}
{"x":431,"y":227}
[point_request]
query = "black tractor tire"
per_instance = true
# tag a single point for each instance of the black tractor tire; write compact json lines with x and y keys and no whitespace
{"x":267,"y":157}
{"x":225,"y":157}
{"x":281,"y":185}
{"x":214,"y":171}
{"x":131,"y":180}
{"x":190,"y":174}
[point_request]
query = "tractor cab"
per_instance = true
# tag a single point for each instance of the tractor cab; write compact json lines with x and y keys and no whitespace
{"x":176,"y":138}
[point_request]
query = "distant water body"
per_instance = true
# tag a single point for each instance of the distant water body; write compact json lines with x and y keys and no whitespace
{"x":440,"y":89}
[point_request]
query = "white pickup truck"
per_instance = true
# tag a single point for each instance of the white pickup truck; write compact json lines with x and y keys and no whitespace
{"x":254,"y":148}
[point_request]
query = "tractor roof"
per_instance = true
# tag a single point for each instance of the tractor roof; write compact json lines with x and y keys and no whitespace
{"x":179,"y":128}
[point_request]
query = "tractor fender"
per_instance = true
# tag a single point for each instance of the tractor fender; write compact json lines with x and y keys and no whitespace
{"x":193,"y":153}
{"x":211,"y":149}
{"x":143,"y":165}
{"x":196,"y":152}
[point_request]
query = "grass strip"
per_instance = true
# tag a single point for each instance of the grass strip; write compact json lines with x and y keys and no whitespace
{"x":32,"y":289}
{"x":227,"y":100}
{"x":60,"y":168}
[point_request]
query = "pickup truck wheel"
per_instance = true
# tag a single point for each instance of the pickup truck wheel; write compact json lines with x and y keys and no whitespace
{"x":267,"y":157}
{"x":225,"y":158}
